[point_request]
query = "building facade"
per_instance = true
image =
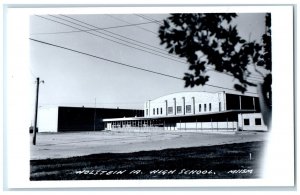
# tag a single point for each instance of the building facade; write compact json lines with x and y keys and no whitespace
{"x":193,"y":103}
{"x":194,"y":111}
{"x":188,"y":103}
{"x":251,"y":122}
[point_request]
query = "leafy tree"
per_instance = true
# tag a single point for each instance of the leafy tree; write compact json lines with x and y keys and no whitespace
{"x":209,"y":40}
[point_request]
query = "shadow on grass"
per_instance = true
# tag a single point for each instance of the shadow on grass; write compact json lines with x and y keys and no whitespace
{"x":240,"y":160}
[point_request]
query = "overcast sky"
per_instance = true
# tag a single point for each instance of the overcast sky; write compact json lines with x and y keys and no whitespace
{"x":73,"y":79}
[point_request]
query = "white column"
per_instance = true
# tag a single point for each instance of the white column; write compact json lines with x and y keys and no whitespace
{"x":225,"y":102}
{"x":194,"y":109}
{"x":149,"y":108}
{"x":183,"y":99}
{"x":174,"y":106}
{"x":166,"y":107}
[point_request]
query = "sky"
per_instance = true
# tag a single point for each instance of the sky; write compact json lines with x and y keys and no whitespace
{"x":74,"y":79}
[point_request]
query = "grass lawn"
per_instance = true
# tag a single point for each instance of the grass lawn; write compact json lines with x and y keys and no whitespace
{"x":210,"y":162}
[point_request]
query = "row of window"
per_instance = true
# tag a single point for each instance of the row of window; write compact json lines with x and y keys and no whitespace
{"x":144,"y":123}
{"x":188,"y":109}
{"x":200,"y":107}
{"x":257,"y":121}
{"x":157,"y":111}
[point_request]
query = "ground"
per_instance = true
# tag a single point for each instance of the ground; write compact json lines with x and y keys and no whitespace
{"x":63,"y":145}
{"x":161,"y":155}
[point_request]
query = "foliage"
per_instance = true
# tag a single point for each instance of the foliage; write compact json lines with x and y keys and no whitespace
{"x":267,"y":61}
{"x":210,"y":40}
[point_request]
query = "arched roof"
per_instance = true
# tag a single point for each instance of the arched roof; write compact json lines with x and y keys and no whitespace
{"x":183,"y":94}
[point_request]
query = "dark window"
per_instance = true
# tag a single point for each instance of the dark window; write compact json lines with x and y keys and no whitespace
{"x":188,"y":108}
{"x":209,"y":106}
{"x":199,"y":107}
{"x":153,"y":111}
{"x":160,"y":110}
{"x":220,"y":106}
{"x":179,"y":109}
{"x":232,"y":102}
{"x":246,"y":121}
{"x":257,"y":121}
{"x":247,"y":103}
{"x":157,"y":111}
{"x":170,"y":110}
{"x":257,"y":107}
{"x":147,"y":112}
{"x":204,"y":107}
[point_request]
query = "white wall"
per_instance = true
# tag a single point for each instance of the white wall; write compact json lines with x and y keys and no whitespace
{"x":251,"y":127}
{"x":204,"y":126}
{"x":199,"y":98}
{"x":47,"y":119}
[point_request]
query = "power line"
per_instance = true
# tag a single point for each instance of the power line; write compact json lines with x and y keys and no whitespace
{"x":231,"y":75}
{"x":152,"y":20}
{"x":32,"y":74}
{"x":123,"y":64}
{"x":76,"y":31}
{"x":159,"y":23}
{"x":130,"y":23}
{"x":105,"y":59}
{"x":121,"y":43}
{"x":124,"y":41}
{"x":257,"y":80}
{"x":95,"y":29}
{"x":115,"y":33}
{"x":110,"y":39}
{"x":149,"y":19}
{"x":126,"y":38}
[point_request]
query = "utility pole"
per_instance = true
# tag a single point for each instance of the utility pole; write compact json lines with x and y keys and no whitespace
{"x":36,"y":109}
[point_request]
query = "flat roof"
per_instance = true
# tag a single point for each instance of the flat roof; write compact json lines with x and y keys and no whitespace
{"x":175,"y":116}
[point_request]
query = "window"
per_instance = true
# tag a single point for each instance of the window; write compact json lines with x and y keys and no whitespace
{"x":160,"y":110}
{"x":157,"y":111}
{"x":246,"y":121}
{"x":153,"y":111}
{"x":257,"y":121}
{"x":220,"y":108}
{"x":204,"y":107}
{"x":188,"y":108}
{"x":146,"y":112}
{"x":199,"y":107}
{"x":179,"y":109}
{"x":209,"y":106}
{"x":170,"y":110}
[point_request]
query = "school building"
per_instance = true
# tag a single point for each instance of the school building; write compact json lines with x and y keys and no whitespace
{"x":194,"y":112}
